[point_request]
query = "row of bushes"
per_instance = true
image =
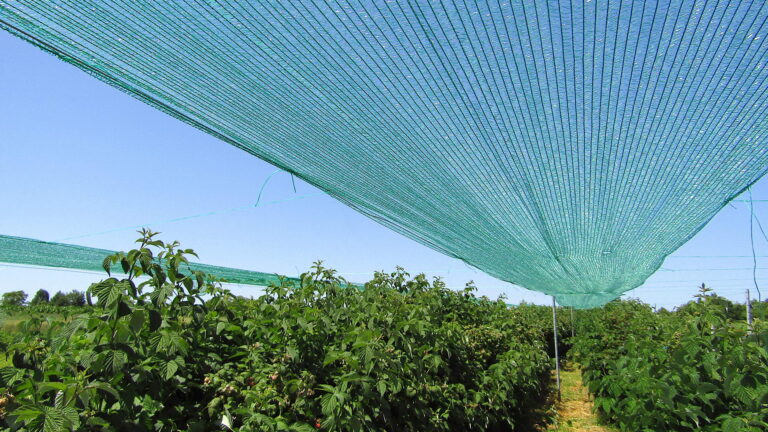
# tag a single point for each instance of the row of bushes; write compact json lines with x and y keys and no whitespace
{"x":700,"y":368}
{"x":169,"y":349}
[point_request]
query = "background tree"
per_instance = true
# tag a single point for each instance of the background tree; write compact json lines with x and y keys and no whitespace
{"x":72,"y":298}
{"x":59,"y":299}
{"x":41,"y":296}
{"x":75,"y":298}
{"x":14,"y":298}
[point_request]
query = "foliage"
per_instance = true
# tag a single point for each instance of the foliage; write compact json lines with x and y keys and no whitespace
{"x":5,"y":340}
{"x":690,"y":370}
{"x":732,"y":311}
{"x":58,"y":299}
{"x":14,"y":298}
{"x":41,"y":296}
{"x":539,"y":318}
{"x":73,"y":298}
{"x":167,"y":348}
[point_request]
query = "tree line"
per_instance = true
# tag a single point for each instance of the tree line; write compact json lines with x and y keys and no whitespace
{"x":19,"y":298}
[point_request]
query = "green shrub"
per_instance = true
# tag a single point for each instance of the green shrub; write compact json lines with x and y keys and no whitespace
{"x":690,"y":370}
{"x":177,"y":352}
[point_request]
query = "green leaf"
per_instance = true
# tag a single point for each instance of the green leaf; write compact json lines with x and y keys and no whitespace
{"x":148,"y":405}
{"x":220,"y":327}
{"x":169,"y":342}
{"x":328,"y":404}
{"x":107,"y":264}
{"x":169,"y":370}
{"x":115,"y":360}
{"x":11,"y":375}
{"x":125,"y":264}
{"x":381,"y":386}
{"x":72,"y":417}
{"x":137,"y":320}
{"x":226,"y":420}
{"x":108,"y":292}
{"x":59,"y":419}
{"x":733,"y":424}
{"x":98,"y":385}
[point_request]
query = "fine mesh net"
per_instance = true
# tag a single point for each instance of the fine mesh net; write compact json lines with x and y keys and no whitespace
{"x":566,"y":147}
{"x":28,"y":251}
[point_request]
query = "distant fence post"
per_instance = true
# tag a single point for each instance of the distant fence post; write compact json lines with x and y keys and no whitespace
{"x":557,"y":354}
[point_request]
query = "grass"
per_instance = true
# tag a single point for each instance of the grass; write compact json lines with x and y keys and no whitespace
{"x":575,"y":412}
{"x":10,"y":325}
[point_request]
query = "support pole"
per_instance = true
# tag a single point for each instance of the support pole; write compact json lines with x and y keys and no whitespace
{"x":749,"y":311}
{"x":573,"y":324}
{"x":557,"y":355}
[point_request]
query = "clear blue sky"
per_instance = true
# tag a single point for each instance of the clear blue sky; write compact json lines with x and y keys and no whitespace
{"x":78,"y":157}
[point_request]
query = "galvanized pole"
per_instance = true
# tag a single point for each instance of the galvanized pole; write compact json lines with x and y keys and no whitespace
{"x":557,"y":355}
{"x":749,"y":311}
{"x":573,"y":325}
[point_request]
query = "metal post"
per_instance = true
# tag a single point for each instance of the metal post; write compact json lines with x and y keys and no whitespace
{"x":557,"y":355}
{"x":749,"y":310}
{"x":573,"y":325}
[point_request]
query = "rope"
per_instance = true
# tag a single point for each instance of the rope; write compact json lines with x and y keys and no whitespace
{"x":194,"y":216}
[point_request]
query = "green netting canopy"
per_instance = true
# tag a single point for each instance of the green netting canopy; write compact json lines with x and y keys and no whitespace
{"x":33,"y":252}
{"x":564,"y":146}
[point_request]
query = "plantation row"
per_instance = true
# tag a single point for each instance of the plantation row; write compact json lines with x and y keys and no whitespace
{"x":700,"y":368}
{"x":166,"y":349}
{"x":162,"y":350}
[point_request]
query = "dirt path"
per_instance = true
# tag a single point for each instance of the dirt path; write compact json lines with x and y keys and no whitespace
{"x":574,"y":413}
